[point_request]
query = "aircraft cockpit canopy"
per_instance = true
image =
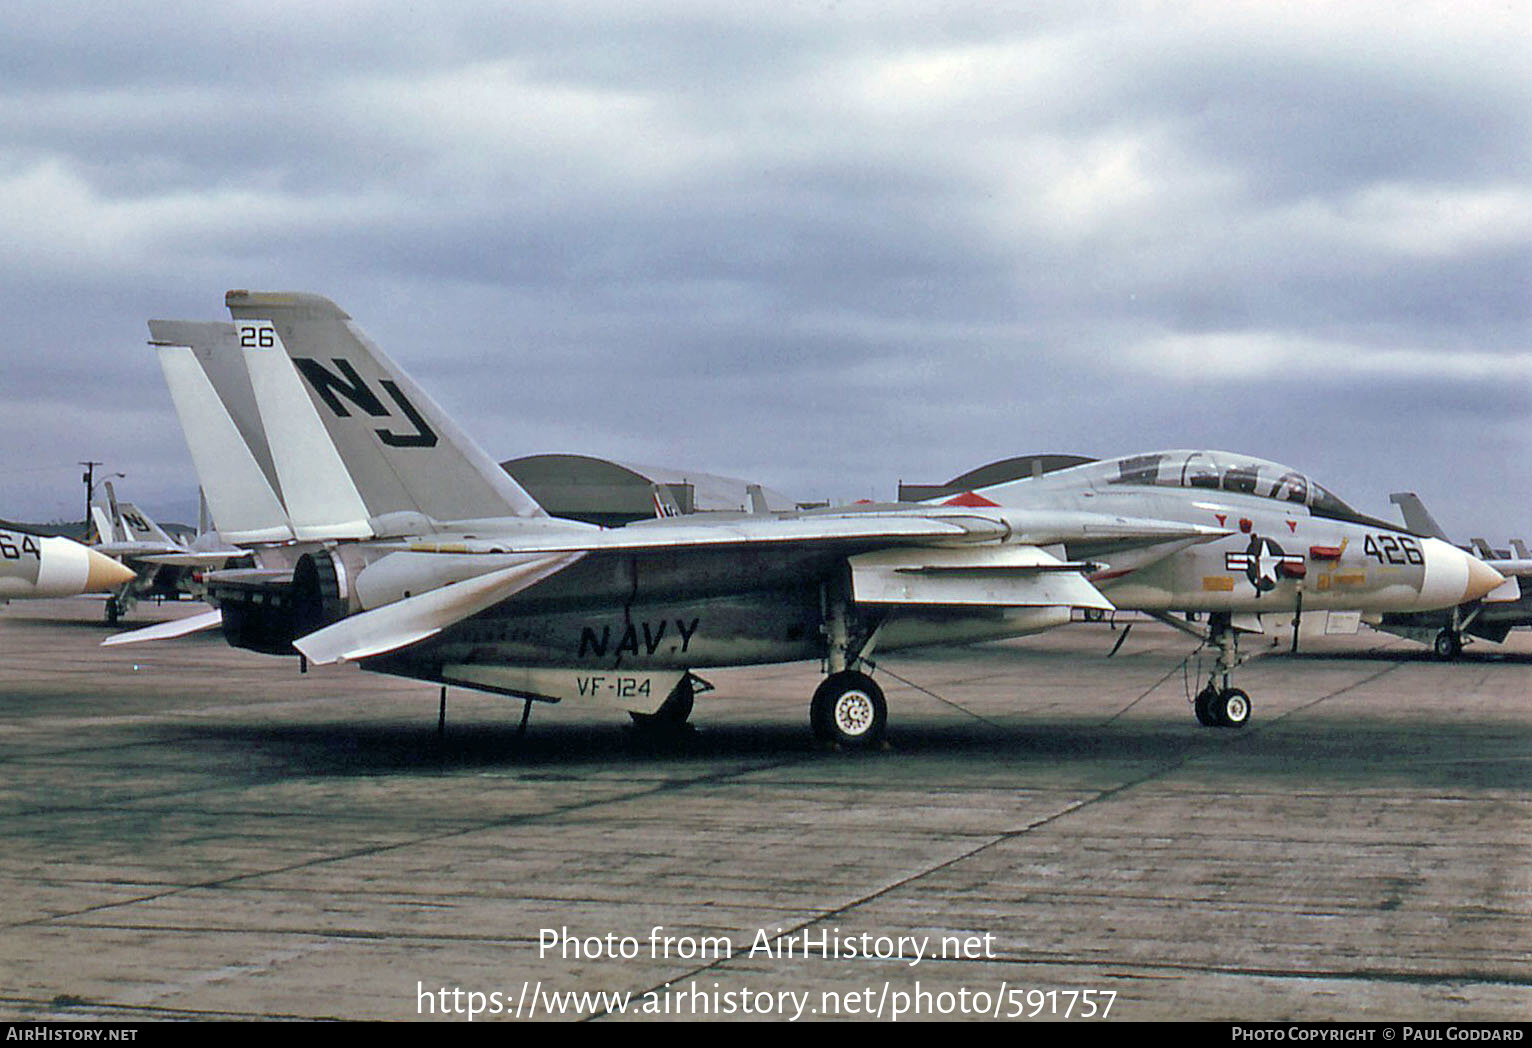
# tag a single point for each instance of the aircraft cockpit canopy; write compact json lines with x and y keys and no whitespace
{"x":1223,"y":471}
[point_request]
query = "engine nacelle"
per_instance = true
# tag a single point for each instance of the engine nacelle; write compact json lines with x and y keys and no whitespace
{"x":256,"y":619}
{"x":324,"y":589}
{"x":317,"y":596}
{"x":332,"y":583}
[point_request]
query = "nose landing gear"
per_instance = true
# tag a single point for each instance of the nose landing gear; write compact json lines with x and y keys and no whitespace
{"x":1218,"y":704}
{"x":1448,"y":644}
{"x":1222,"y":707}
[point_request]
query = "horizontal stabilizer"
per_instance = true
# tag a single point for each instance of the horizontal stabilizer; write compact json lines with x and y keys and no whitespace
{"x":168,"y":630}
{"x":1007,"y":576}
{"x":409,"y":621}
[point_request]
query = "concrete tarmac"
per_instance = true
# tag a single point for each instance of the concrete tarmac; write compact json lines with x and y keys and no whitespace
{"x":196,"y":832}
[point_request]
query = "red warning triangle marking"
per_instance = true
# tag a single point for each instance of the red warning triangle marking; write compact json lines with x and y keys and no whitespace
{"x":968,"y":498}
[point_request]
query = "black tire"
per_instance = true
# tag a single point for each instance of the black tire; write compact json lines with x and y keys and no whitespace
{"x":1203,"y":704}
{"x":848,"y":709}
{"x":1448,"y":645}
{"x":1232,"y":707}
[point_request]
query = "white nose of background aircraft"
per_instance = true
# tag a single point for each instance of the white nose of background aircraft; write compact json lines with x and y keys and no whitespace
{"x":35,"y":566}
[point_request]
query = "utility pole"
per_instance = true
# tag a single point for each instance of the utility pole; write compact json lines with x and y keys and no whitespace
{"x":90,"y":493}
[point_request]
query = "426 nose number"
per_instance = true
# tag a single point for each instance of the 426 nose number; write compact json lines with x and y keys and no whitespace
{"x":1393,"y":549}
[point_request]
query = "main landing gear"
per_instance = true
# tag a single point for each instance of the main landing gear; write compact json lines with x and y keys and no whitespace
{"x":1218,"y":705}
{"x":1448,"y":644}
{"x":848,"y":709}
{"x":119,"y":604}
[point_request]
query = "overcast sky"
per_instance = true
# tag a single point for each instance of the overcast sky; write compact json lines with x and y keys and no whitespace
{"x":826,"y":246}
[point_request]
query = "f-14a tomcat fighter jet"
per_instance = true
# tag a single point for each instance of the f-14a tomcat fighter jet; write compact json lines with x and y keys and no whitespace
{"x":384,"y":536}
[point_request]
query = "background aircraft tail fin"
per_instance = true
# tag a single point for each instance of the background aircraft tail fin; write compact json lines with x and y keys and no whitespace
{"x":664,"y":502}
{"x":134,"y":525}
{"x":1416,"y":518}
{"x":102,"y":522}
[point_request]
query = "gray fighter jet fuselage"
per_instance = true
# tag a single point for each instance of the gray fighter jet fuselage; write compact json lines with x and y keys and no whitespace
{"x":384,"y":536}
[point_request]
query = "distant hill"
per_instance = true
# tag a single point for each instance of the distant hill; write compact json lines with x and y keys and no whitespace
{"x":73,"y":529}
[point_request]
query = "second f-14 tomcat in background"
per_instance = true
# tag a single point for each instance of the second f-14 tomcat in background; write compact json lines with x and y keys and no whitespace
{"x":384,"y":536}
{"x":1490,"y":618}
{"x":164,"y":567}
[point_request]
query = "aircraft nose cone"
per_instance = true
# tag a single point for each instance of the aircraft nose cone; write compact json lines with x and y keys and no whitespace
{"x":1452,"y":577}
{"x":1481,"y":579}
{"x":102,"y":573}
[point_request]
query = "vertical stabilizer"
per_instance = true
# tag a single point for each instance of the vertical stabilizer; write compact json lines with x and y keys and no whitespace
{"x":238,"y":490}
{"x":137,"y":526}
{"x":664,"y":502}
{"x":1415,"y":516}
{"x":321,"y":499}
{"x":216,"y":349}
{"x":105,"y":533}
{"x":402,"y":452}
